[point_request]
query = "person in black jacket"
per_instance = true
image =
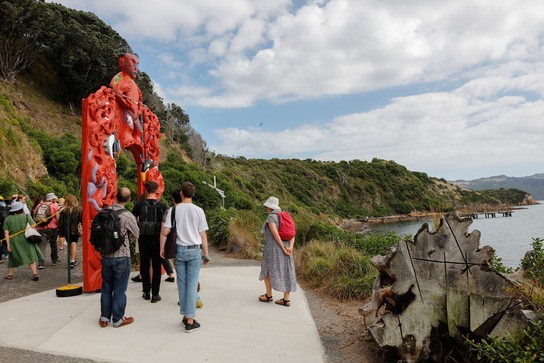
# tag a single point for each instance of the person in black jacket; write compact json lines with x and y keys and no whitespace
{"x":149,"y":214}
{"x":71,"y":216}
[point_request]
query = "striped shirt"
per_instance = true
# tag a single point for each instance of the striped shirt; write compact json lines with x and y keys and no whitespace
{"x":129,"y":229}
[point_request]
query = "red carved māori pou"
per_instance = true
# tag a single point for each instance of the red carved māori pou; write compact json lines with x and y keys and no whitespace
{"x":114,"y":119}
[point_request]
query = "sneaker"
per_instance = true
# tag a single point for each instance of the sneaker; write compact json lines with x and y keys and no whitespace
{"x":189,"y":328}
{"x":170,"y":279}
{"x":146,"y":296}
{"x":137,"y":278}
{"x":156,"y":298}
{"x":102,"y":323}
{"x":41,"y":265}
{"x":57,"y":262}
{"x":73,"y":264}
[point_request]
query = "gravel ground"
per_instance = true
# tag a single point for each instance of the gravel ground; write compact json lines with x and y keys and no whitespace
{"x":340,"y":327}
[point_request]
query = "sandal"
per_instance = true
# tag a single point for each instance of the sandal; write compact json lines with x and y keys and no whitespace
{"x":283,"y":302}
{"x":8,"y":277}
{"x":265,"y":298}
{"x":35,"y":277}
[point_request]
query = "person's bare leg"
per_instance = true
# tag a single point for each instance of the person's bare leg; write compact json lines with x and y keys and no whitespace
{"x":73,"y":250}
{"x":286,"y":296}
{"x":268,"y":286}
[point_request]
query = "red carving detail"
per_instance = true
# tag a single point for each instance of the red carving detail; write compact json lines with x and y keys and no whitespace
{"x":114,"y":115}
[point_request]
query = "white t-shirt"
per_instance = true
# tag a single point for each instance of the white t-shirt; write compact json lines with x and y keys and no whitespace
{"x":190,"y":221}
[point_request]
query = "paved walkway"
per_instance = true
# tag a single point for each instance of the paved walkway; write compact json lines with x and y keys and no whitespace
{"x":235,"y":326}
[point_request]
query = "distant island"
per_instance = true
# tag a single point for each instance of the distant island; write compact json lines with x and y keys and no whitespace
{"x":533,"y":184}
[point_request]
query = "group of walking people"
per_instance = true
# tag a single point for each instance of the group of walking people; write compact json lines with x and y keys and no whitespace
{"x":56,"y":223}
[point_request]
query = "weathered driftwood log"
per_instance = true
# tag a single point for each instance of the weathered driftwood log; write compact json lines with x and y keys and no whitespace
{"x":441,"y":278}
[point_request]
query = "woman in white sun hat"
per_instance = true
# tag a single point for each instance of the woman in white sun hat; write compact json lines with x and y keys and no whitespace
{"x":277,"y":265}
{"x":21,"y":252}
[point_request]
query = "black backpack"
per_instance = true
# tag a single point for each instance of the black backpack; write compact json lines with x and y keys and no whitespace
{"x":150,"y":218}
{"x":106,"y":234}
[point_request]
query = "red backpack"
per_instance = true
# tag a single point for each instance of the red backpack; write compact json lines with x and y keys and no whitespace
{"x":287,"y":228}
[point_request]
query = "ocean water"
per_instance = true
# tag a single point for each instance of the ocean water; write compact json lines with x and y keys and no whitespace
{"x":511,"y":237}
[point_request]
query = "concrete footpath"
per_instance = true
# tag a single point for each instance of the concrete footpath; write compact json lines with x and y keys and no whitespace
{"x":236,"y":327}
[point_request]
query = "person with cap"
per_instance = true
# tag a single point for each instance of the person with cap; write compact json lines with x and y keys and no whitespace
{"x":48,"y":229}
{"x":21,"y":252}
{"x":278,"y":264}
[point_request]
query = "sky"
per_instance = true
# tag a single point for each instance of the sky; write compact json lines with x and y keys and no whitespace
{"x":451,"y":88}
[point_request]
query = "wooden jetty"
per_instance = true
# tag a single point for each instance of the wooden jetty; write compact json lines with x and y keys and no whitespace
{"x":486,"y":214}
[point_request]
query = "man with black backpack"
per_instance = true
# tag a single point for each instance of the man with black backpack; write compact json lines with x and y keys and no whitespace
{"x":116,"y":266}
{"x":149,"y":213}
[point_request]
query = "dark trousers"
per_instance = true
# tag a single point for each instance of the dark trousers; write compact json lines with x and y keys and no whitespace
{"x":150,"y":255}
{"x":49,"y":235}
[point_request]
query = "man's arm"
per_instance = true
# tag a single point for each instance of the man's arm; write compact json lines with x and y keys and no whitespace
{"x":164,"y":233}
{"x":204,"y":246}
{"x":132,"y":227}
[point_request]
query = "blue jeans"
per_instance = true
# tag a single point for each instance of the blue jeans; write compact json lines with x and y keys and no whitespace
{"x":113,"y":298}
{"x":187,"y":262}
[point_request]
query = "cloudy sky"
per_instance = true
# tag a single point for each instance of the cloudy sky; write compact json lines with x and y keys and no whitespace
{"x":451,"y":88}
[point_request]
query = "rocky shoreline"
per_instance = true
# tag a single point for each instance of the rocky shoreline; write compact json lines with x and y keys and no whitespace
{"x":365,"y":224}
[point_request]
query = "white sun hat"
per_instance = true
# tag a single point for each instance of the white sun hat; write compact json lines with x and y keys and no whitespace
{"x":272,"y":203}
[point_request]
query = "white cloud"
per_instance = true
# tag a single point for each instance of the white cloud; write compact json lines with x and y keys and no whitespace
{"x":446,"y":132}
{"x":345,"y":47}
{"x":259,"y":49}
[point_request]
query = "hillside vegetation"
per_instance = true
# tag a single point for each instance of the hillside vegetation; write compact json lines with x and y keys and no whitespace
{"x":347,"y":189}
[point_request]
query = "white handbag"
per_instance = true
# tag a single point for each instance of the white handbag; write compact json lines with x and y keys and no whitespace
{"x":32,"y":235}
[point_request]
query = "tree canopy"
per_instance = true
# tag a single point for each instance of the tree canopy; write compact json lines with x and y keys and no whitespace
{"x":22,"y":24}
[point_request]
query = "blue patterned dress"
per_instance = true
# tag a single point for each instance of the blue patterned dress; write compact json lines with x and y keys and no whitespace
{"x":276,"y":264}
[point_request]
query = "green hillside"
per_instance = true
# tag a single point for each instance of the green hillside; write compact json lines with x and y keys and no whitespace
{"x":354,"y":189}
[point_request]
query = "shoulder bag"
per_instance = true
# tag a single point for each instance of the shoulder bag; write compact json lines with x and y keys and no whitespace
{"x":31,"y":234}
{"x":170,"y":244}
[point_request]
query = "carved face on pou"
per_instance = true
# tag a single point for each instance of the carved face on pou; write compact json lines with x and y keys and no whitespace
{"x":128,"y":63}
